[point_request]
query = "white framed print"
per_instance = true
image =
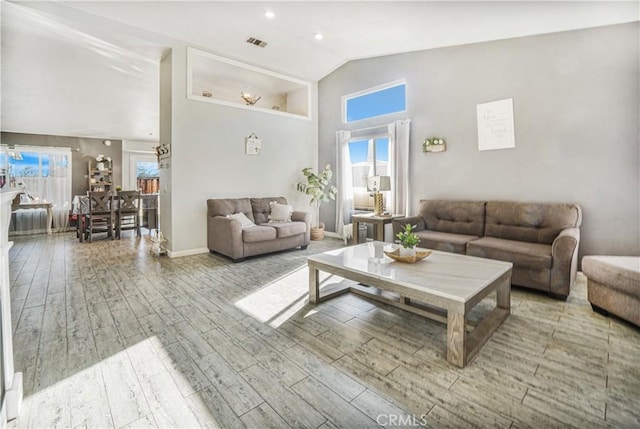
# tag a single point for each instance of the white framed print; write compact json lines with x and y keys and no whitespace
{"x":495,"y":125}
{"x":253,"y":145}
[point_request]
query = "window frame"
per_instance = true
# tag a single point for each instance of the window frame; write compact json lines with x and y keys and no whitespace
{"x":133,"y":164}
{"x":370,"y":137}
{"x":371,"y":90}
{"x":41,"y":151}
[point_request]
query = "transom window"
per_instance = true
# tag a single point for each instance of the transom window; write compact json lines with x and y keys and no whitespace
{"x":373,"y":102}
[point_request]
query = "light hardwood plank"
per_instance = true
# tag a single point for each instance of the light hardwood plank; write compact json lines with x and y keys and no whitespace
{"x":321,"y":349}
{"x":212,"y":411}
{"x":263,"y":416}
{"x":293,"y":409}
{"x":240,"y":395}
{"x":334,"y":379}
{"x":339,"y":412}
{"x":238,"y":357}
{"x":383,"y":412}
{"x":168,"y":407}
{"x":278,"y":363}
{"x":185,"y":373}
{"x":423,"y":388}
{"x":192,"y":341}
{"x":93,"y":414}
{"x":125,"y":395}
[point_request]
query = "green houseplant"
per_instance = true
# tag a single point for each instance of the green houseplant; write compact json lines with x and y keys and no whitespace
{"x":408,"y":240}
{"x":318,"y":187}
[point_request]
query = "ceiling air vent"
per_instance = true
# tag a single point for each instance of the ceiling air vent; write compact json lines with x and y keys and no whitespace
{"x":257,"y":42}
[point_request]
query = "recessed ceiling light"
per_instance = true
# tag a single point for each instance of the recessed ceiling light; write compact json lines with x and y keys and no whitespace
{"x":269,"y":14}
{"x":319,"y":36}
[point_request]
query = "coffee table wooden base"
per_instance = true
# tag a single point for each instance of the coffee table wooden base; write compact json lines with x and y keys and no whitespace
{"x":462,"y":346}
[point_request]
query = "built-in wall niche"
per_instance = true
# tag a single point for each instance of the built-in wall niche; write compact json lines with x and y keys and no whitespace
{"x":219,"y":80}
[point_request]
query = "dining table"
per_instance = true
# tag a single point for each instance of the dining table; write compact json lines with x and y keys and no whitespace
{"x":80,"y":208}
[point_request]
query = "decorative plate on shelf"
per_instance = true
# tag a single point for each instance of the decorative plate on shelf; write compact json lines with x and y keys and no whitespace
{"x":420,"y":254}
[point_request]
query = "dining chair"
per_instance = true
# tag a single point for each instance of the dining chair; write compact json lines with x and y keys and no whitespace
{"x":101,"y":215}
{"x":128,"y":213}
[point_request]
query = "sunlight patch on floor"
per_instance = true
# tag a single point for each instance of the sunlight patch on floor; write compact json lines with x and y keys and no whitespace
{"x":277,"y":301}
{"x":141,"y":385}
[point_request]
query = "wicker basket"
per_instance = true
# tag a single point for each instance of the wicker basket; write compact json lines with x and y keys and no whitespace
{"x":317,"y":233}
{"x":420,"y":254}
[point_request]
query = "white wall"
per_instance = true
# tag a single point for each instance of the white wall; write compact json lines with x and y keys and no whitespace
{"x":208,"y":158}
{"x":166,"y":136}
{"x":577,"y":124}
{"x":297,"y":102}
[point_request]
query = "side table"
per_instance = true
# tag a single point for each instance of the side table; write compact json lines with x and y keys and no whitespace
{"x":378,"y":224}
{"x":31,"y":206}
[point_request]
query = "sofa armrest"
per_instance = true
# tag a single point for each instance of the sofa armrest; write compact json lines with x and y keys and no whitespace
{"x":225,"y":236}
{"x":305,"y":217}
{"x":564,"y":253}
{"x":399,"y":223}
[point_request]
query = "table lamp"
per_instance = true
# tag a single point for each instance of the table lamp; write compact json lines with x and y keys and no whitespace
{"x":378,"y":184}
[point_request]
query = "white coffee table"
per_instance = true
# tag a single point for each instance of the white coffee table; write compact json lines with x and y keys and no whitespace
{"x":443,"y":287}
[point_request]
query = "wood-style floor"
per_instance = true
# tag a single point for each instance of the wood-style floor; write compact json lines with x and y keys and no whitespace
{"x":106,"y":335}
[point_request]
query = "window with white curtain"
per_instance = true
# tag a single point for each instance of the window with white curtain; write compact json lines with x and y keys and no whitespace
{"x":369,"y":156}
{"x":387,"y":146}
{"x":45,"y":174}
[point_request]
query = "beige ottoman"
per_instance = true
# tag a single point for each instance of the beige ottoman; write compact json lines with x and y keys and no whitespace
{"x":613,"y":285}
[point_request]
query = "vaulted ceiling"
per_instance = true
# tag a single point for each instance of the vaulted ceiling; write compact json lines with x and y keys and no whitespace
{"x":62,"y":76}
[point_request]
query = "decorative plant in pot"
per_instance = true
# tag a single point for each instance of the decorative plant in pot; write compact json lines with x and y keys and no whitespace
{"x":319,"y":188}
{"x":408,"y":240}
{"x":101,"y":160}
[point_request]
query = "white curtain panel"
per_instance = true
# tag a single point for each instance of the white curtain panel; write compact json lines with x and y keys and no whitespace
{"x":59,"y":187}
{"x":344,"y":180}
{"x":399,"y":132}
{"x":54,"y":188}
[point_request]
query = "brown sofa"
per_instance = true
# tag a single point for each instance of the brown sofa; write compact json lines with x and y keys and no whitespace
{"x":541,"y":240}
{"x":613,"y":285}
{"x":227,"y":237}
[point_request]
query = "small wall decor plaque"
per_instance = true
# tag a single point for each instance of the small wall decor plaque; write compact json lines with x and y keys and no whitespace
{"x":253,"y":145}
{"x":163,"y":151}
{"x":434,"y":144}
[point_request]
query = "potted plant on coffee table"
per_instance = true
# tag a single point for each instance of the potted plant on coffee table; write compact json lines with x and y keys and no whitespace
{"x":318,"y":187}
{"x":408,"y":240}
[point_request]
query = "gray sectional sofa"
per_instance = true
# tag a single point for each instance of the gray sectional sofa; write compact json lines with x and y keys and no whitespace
{"x":541,"y":240}
{"x":227,"y":237}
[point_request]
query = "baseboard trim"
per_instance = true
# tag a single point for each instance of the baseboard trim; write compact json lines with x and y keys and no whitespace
{"x":187,"y":252}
